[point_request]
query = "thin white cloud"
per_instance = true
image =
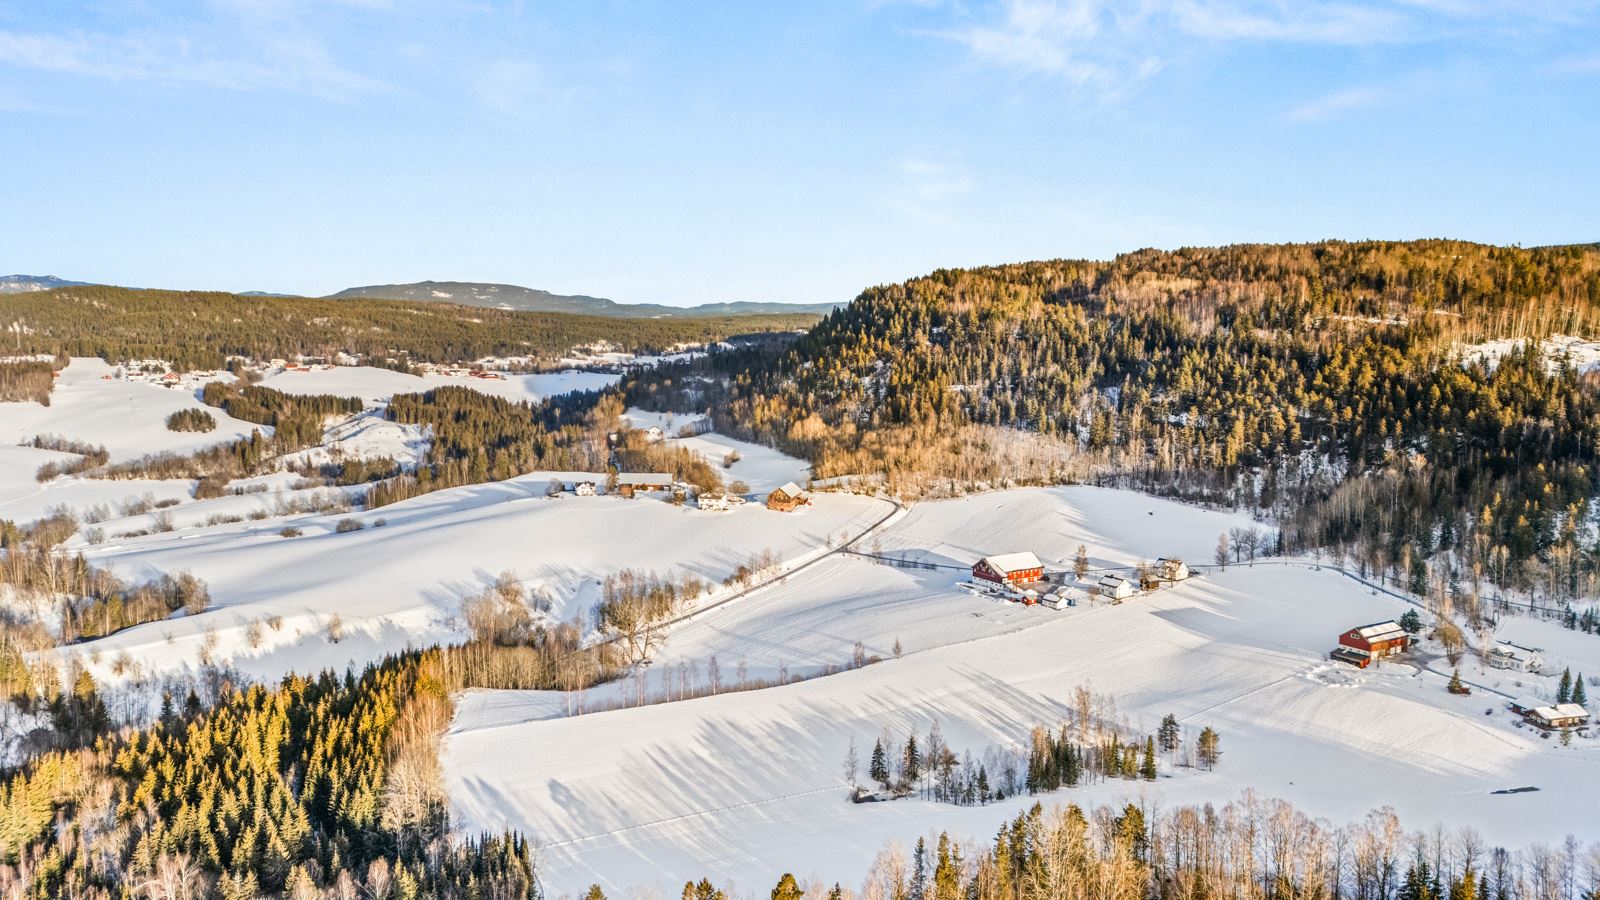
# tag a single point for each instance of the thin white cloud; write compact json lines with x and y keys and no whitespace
{"x":1313,"y":23}
{"x":1111,"y":46}
{"x":1339,"y":103}
{"x":243,"y":45}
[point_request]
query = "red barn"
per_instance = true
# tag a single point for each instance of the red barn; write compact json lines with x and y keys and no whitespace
{"x":1361,"y":646}
{"x":1009,"y":568}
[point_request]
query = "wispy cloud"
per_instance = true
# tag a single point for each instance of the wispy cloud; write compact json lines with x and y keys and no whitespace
{"x":1310,"y":22}
{"x":241,"y":45}
{"x":1110,"y":45}
{"x":1339,"y":103}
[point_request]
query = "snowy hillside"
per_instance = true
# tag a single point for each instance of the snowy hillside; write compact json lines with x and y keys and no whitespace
{"x":743,"y":786}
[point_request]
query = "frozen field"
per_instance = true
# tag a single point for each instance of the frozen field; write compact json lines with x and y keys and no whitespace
{"x":745,"y":786}
{"x":376,"y":386}
{"x":128,"y":417}
{"x":402,"y":584}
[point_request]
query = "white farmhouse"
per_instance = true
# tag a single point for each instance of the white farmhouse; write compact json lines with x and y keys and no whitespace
{"x":1115,"y":586}
{"x":1506,"y":655}
{"x":719,"y":502}
{"x":1172,"y":569}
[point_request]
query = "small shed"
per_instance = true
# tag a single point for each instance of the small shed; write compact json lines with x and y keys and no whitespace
{"x":1064,"y":597}
{"x":788,"y":498}
{"x":1115,"y":586}
{"x":1560,"y":715}
{"x":1172,"y":569}
{"x":719,"y":502}
{"x":1523,"y":704}
{"x":1009,"y":568}
{"x":1506,"y":655}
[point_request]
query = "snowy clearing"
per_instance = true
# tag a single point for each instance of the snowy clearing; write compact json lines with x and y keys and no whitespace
{"x":376,"y":386}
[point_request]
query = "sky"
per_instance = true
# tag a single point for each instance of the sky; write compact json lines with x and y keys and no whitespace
{"x":706,"y":151}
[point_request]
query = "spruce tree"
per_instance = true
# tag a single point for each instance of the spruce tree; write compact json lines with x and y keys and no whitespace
{"x":1167,"y":735}
{"x":879,"y":766}
{"x":1147,"y":766}
{"x":1209,"y":748}
{"x":1564,"y":689}
{"x":1579,"y":696}
{"x":787,"y":889}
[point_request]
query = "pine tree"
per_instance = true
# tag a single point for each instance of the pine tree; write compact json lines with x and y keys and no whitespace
{"x":1147,"y":766}
{"x":947,"y":872}
{"x":1455,"y":686}
{"x":1167,"y":736}
{"x":919,"y":872}
{"x":1411,"y":622}
{"x":912,"y":762}
{"x":1209,"y":748}
{"x":594,"y":893}
{"x":787,"y":889}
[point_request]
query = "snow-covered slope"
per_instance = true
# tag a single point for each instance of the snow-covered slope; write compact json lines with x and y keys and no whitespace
{"x":128,"y":417}
{"x":401,"y":584}
{"x":744,"y":786}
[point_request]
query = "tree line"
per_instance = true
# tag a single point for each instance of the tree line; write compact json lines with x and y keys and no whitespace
{"x":200,"y":330}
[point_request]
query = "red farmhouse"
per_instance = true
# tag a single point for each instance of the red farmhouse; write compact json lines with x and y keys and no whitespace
{"x":1009,"y":568}
{"x":1361,"y":646}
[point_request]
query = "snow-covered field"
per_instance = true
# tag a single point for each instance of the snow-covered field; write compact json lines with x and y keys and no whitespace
{"x":401,"y":584}
{"x":744,"y":786}
{"x":128,"y":417}
{"x":376,"y":386}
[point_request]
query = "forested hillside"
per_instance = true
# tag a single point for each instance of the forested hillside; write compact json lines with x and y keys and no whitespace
{"x":198,"y":330}
{"x":1321,"y":382}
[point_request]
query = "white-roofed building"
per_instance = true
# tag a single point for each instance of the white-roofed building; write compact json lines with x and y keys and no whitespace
{"x":1115,"y":586}
{"x":1009,"y":568}
{"x":1506,"y":655}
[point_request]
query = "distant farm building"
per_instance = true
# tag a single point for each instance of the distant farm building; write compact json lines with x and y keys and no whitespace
{"x":788,"y":498}
{"x":719,"y":502}
{"x":1172,"y":569}
{"x":1009,"y":568}
{"x":630,"y":483}
{"x":1362,"y":646}
{"x":1560,"y":715}
{"x":1506,"y":655}
{"x":1115,"y":586}
{"x":584,"y":489}
{"x":654,"y":433}
{"x":1065,"y":596}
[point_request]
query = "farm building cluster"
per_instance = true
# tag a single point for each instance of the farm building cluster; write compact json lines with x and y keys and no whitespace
{"x":787,"y":498}
{"x":1021,"y":576}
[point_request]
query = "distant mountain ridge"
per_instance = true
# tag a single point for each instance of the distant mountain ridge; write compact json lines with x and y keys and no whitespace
{"x":511,"y":296}
{"x":26,"y":284}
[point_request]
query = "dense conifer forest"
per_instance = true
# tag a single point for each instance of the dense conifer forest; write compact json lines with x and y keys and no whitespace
{"x":1318,"y":383}
{"x":195,"y":330}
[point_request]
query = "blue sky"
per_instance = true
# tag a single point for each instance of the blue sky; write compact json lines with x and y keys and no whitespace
{"x":687,"y":152}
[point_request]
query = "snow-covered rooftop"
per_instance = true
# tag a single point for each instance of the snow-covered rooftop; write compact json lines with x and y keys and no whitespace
{"x":1005,"y":563}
